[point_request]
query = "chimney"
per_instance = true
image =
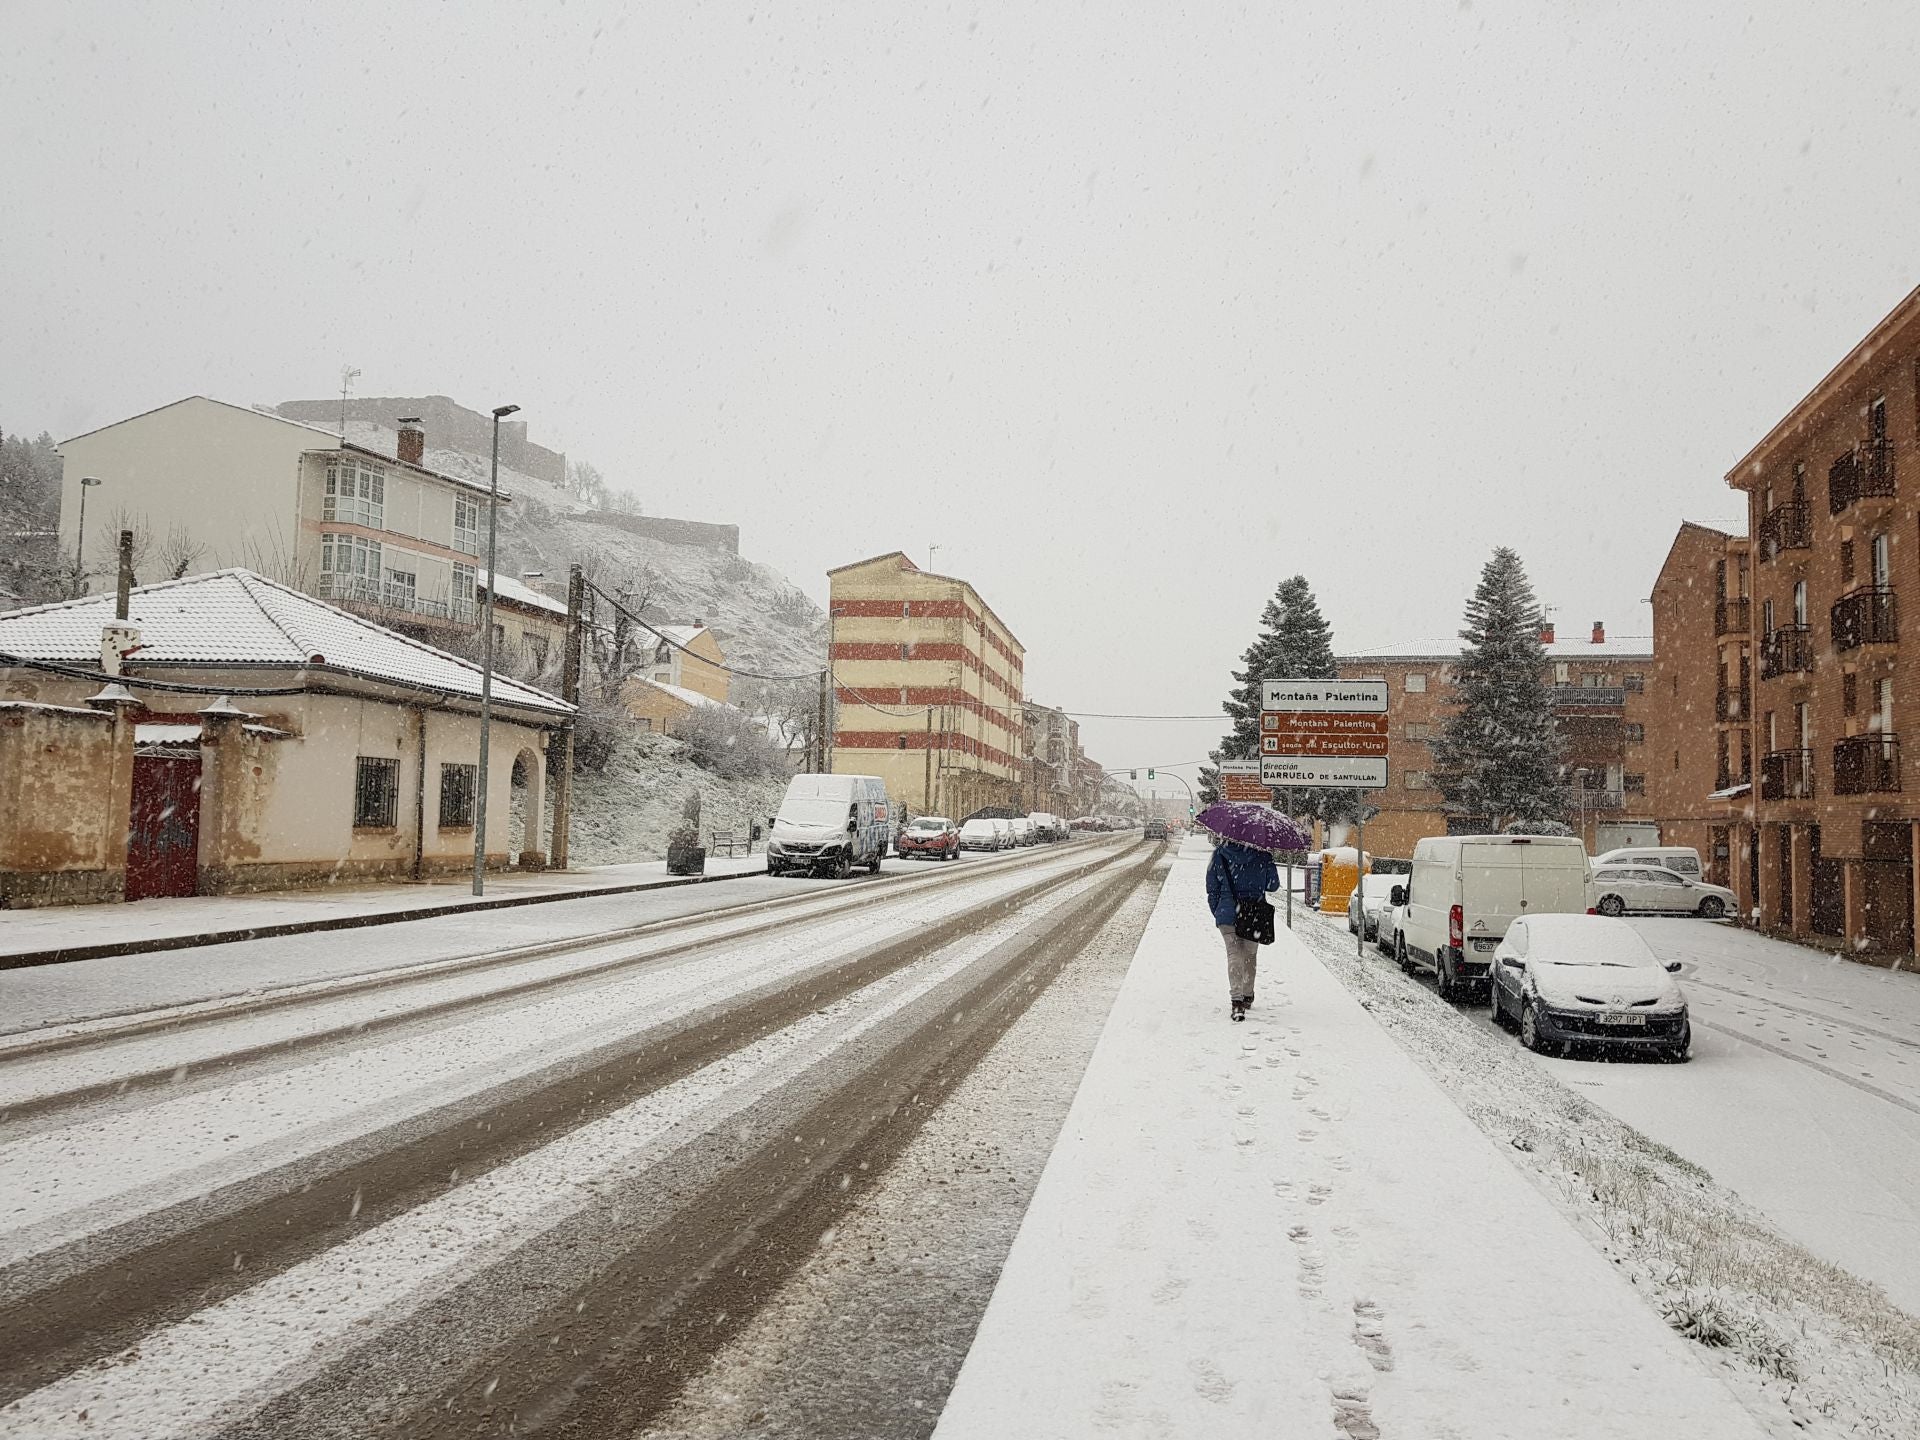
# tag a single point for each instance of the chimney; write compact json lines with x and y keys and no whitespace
{"x":1599,"y":633}
{"x":412,"y":448}
{"x":1546,"y":632}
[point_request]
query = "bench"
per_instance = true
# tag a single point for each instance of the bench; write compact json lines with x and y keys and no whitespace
{"x":729,"y":842}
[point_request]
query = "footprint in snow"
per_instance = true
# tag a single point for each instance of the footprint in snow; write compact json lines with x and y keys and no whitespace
{"x":1369,"y":1333}
{"x":1208,"y":1382}
{"x":1319,"y":1194}
{"x":1352,"y":1415}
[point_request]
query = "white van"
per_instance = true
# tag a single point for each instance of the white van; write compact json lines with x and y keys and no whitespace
{"x":1466,"y":889}
{"x":1681,"y":859}
{"x":827,"y":824}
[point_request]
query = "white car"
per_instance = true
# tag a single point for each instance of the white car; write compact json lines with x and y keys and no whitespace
{"x":1387,"y":931}
{"x":1004,"y":829}
{"x":1590,"y":981}
{"x":980,"y":835}
{"x":1366,"y":904}
{"x":1655,"y":890}
{"x":1023,"y":831}
{"x":1683,"y":858}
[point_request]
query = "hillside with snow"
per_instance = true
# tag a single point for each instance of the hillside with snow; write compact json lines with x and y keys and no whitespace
{"x":763,"y":620}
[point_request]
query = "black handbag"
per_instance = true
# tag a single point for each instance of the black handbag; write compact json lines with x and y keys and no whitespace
{"x":1252,"y":915}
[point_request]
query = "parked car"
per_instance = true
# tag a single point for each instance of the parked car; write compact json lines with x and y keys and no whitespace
{"x":827,"y":824}
{"x":1156,"y":830}
{"x":1368,"y":900}
{"x":1004,"y":829}
{"x":1683,"y":858}
{"x":1655,"y":890}
{"x":981,"y":835}
{"x":928,"y":837}
{"x":1387,"y":931}
{"x":1588,"y":980}
{"x":1466,"y":889}
{"x":1049,"y":826}
{"x":1023,"y":831}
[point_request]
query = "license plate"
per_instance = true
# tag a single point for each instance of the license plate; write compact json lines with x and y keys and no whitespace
{"x":1620,"y":1017}
{"x":1486,"y":944}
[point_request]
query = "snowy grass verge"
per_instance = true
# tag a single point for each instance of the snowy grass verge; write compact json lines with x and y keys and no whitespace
{"x":1812,"y":1348}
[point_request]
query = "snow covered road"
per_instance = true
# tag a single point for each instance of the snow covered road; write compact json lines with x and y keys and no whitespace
{"x":397,"y":1227}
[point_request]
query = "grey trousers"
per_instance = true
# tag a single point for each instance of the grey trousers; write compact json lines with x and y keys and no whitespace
{"x":1242,"y":957}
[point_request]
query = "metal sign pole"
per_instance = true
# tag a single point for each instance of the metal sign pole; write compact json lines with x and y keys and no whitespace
{"x":1360,"y":887}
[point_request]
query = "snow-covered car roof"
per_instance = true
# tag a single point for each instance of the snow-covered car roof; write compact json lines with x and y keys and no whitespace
{"x":1587,"y":940}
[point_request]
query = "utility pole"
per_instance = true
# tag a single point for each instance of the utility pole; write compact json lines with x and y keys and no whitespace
{"x":926,"y":768}
{"x":124,"y":593}
{"x":486,"y":674}
{"x":570,"y":692}
{"x":820,"y":723}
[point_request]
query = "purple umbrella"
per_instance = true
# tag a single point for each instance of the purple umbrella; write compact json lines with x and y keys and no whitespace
{"x":1261,"y":826}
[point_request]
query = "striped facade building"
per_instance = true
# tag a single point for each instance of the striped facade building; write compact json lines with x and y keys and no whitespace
{"x":928,"y":683}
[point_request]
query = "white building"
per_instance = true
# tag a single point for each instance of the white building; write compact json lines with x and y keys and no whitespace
{"x":381,"y":535}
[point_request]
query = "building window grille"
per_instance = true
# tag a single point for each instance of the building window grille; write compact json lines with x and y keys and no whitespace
{"x":1636,"y":734}
{"x":1635,"y":683}
{"x":376,"y":793}
{"x":356,"y":494}
{"x":466,"y":525}
{"x":457,"y":785}
{"x":1634,"y":784}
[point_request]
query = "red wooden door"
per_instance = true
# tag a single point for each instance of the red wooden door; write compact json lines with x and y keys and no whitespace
{"x":163,"y":834}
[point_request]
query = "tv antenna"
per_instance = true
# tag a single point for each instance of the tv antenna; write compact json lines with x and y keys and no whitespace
{"x":348,"y":374}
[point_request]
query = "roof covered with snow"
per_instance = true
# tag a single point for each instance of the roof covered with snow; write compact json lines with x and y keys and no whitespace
{"x":692,"y":698}
{"x":1736,"y":527}
{"x":1566,"y":645}
{"x":233,"y":618}
{"x":518,"y":592}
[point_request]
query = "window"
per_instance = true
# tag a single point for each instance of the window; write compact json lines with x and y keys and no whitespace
{"x":1849,"y":694}
{"x":1419,"y":732}
{"x":1846,"y":562}
{"x":401,"y":588}
{"x":1634,"y":784}
{"x":1883,"y":708}
{"x":1415,"y":684}
{"x":349,"y":566}
{"x":1560,"y":672}
{"x":376,"y":793}
{"x":1635,"y":683}
{"x":457,"y":783}
{"x":536,"y":646}
{"x":1636,"y":734}
{"x":1882,"y":562}
{"x":1766,"y":616}
{"x":466,"y":525}
{"x":1417,"y":780}
{"x":356,"y":494}
{"x":1800,"y":603}
{"x":1803,"y":723}
{"x":1594,"y":680}
{"x":1877,"y":418}
{"x":1799,"y":480}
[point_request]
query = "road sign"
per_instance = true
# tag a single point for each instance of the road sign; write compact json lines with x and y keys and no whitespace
{"x":1246,"y":787}
{"x":1239,"y":767}
{"x":1324,"y":733}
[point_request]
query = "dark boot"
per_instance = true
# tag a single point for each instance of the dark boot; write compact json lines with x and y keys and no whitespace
{"x":1239,"y":1011}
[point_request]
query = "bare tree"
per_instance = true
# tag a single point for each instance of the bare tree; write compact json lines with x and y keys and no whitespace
{"x":109,"y":542}
{"x":179,"y":552}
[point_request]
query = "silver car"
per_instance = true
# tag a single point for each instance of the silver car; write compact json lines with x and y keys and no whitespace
{"x":1655,"y":890}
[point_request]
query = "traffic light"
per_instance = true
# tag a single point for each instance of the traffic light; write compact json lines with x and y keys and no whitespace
{"x":1149,"y":774}
{"x":1133,"y":774}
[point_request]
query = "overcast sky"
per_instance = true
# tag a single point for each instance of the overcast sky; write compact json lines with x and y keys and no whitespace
{"x":1132,"y":309}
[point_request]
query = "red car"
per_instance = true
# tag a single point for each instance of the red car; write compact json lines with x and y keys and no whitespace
{"x":929,"y":837}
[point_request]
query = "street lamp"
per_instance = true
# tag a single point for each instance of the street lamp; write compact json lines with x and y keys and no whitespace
{"x":1580,"y":784}
{"x":486,"y":673}
{"x":87,"y":482}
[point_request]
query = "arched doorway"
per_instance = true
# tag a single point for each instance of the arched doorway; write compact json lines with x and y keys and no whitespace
{"x":528,"y":812}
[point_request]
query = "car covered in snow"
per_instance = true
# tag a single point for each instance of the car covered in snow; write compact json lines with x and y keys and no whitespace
{"x":1156,"y":830}
{"x":1655,"y":890}
{"x":1048,"y":827}
{"x":1023,"y":831}
{"x":928,"y":837}
{"x":982,"y":834}
{"x":1464,"y":890}
{"x":1588,"y":982}
{"x":1367,"y":902}
{"x":827,"y":824}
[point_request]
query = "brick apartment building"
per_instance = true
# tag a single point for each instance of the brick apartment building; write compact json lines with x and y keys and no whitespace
{"x":1699,"y":737}
{"x":1052,"y":745}
{"x":1600,"y":707}
{"x":929,"y":686}
{"x":1832,"y":493}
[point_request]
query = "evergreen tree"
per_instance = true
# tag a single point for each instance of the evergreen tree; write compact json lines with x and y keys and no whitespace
{"x":1498,"y":755}
{"x":1294,"y":642}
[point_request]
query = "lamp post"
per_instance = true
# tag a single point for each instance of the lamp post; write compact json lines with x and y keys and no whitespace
{"x":486,"y":673}
{"x":87,"y":482}
{"x":1580,"y":784}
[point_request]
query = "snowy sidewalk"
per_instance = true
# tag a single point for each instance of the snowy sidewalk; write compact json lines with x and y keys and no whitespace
{"x":79,"y":932}
{"x":1285,"y":1228}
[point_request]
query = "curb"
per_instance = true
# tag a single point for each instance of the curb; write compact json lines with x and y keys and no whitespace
{"x":25,"y":959}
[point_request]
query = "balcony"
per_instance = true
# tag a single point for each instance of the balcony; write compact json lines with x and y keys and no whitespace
{"x":1589,"y":697}
{"x":1785,"y":527}
{"x":1786,"y":775}
{"x":1725,"y":777}
{"x":1867,"y":765}
{"x":1787,"y":651}
{"x":1867,"y":616}
{"x":1732,"y":616}
{"x":1864,"y":472}
{"x":1732,"y":706}
{"x":396,"y":603}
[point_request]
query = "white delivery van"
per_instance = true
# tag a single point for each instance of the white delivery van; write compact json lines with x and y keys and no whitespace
{"x":1682,"y":859}
{"x":1466,"y":889}
{"x":827,"y":824}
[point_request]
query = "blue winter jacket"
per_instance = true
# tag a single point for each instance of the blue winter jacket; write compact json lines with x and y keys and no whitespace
{"x":1237,"y":872}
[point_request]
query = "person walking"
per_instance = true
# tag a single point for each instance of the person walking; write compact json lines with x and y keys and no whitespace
{"x":1238,"y":872}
